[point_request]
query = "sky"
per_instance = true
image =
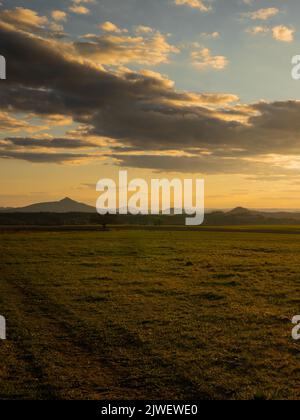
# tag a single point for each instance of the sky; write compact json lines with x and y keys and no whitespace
{"x":162,"y":88}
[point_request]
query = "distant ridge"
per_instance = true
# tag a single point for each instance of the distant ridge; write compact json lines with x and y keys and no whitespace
{"x":243,"y":216}
{"x":70,"y":212}
{"x":239,"y":211}
{"x":67,"y":205}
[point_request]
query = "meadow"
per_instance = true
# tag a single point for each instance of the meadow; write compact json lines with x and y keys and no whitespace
{"x":150,"y":314}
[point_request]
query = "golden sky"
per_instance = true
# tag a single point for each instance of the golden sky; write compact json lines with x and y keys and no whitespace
{"x":186,"y":89}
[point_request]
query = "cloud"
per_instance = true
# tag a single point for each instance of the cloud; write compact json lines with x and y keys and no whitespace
{"x":144,"y":29}
{"x":23,"y":18}
{"x":38,"y":157}
{"x":283,"y":33}
{"x":83,"y":1}
{"x":279,"y":33}
{"x":79,"y":10}
{"x":141,"y":113}
{"x":114,"y":49}
{"x":53,"y":143}
{"x":211,"y":35}
{"x":10,"y":123}
{"x":258,"y":30}
{"x":194,"y":4}
{"x":111,"y":27}
{"x":78,"y":7}
{"x":203,"y":164}
{"x":59,"y":15}
{"x":36,"y":150}
{"x":263,"y":14}
{"x":30,"y":21}
{"x":204,"y":59}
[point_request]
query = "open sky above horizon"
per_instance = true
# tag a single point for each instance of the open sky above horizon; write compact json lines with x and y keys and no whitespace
{"x":162,"y":88}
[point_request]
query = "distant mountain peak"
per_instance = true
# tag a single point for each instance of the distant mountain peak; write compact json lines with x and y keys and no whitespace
{"x":67,"y":200}
{"x":240,"y":210}
{"x":66,"y":205}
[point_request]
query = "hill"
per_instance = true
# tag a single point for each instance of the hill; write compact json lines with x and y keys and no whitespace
{"x":70,"y":212}
{"x":63,"y":206}
{"x":242,"y":216}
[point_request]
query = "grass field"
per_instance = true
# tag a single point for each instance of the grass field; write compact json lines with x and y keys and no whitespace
{"x":141,"y":314}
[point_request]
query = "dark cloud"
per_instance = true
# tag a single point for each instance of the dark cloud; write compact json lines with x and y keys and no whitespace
{"x":208,"y":165}
{"x":15,"y":148}
{"x":278,"y":116}
{"x":56,"y":143}
{"x":41,"y":157}
{"x":143,"y":112}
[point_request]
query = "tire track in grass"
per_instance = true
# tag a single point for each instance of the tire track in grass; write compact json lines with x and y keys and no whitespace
{"x":15,"y":377}
{"x":38,"y":387}
{"x":55,"y":368}
{"x":137,"y":371}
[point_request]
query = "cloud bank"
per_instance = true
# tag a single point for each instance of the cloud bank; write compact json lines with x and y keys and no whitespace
{"x":147,"y":122}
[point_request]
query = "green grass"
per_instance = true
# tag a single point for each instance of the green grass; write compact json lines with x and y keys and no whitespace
{"x":149,"y":314}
